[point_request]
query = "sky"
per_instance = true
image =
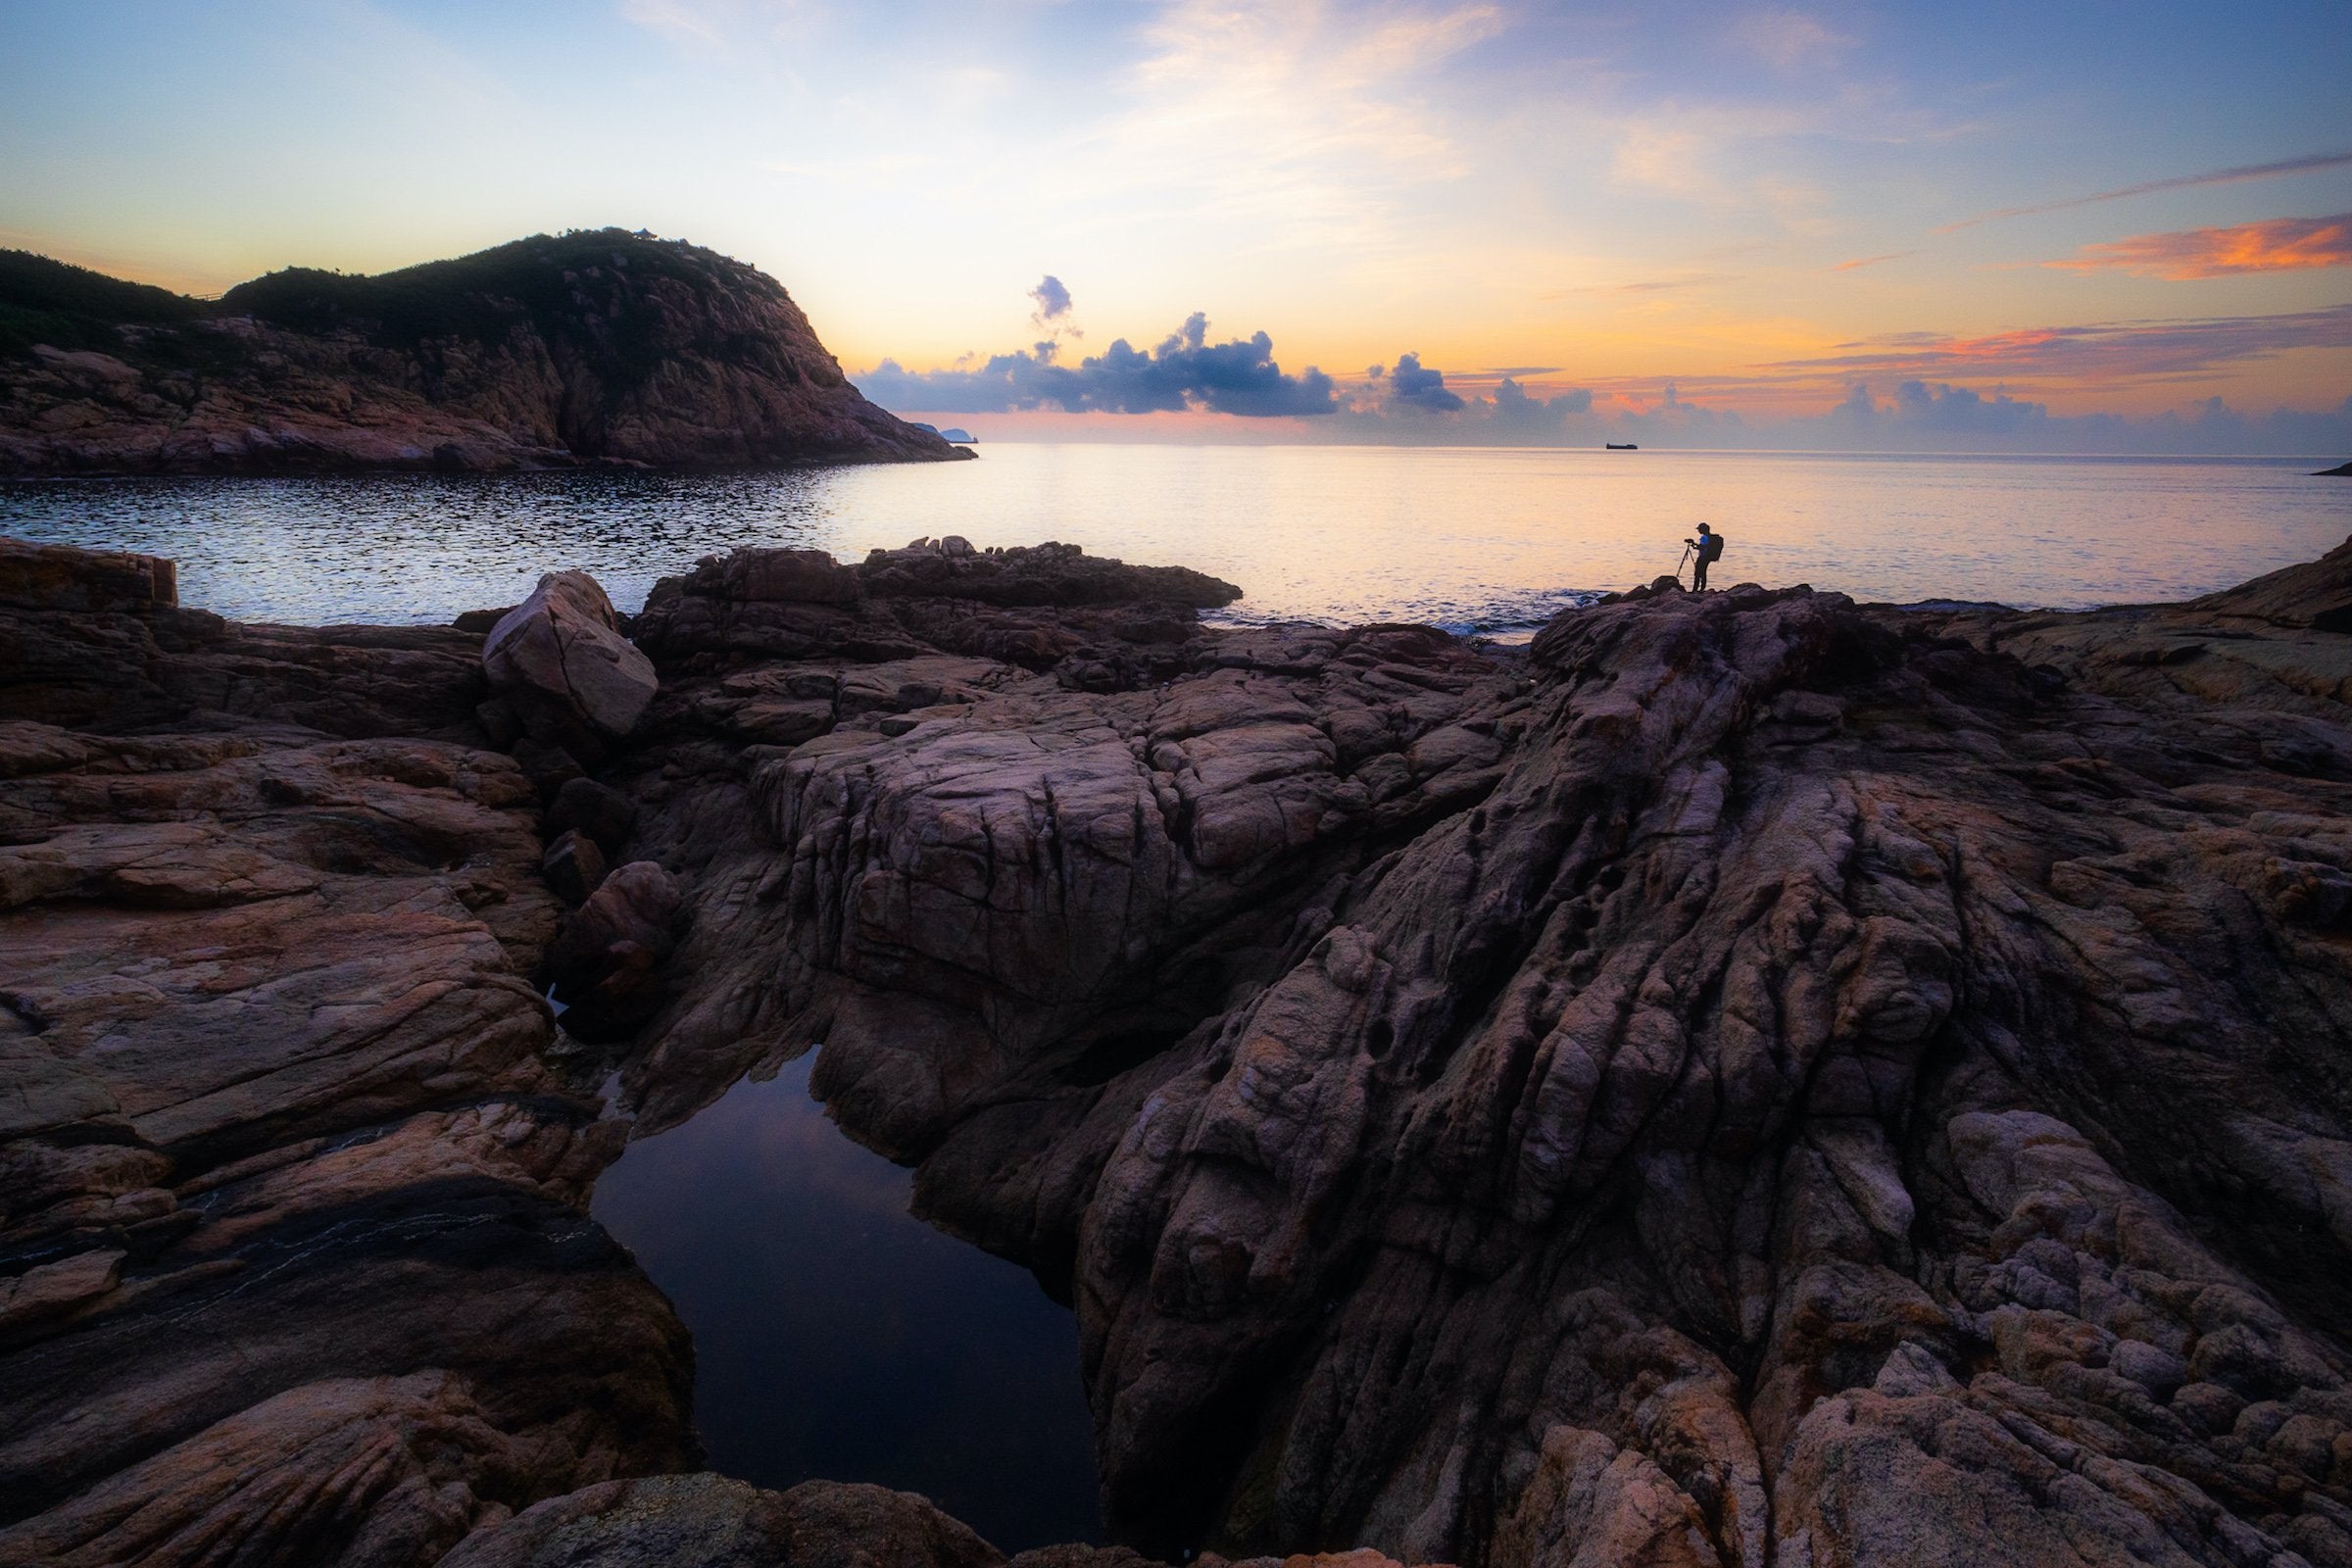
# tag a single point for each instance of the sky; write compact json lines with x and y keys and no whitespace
{"x":2069,"y":225}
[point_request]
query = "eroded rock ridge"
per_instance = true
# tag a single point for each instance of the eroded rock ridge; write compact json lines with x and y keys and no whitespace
{"x":1751,"y":1079}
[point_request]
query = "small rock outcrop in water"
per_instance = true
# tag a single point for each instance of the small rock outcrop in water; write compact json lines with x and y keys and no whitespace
{"x":2341,"y":470}
{"x":549,"y":352}
{"x":1752,"y":1079}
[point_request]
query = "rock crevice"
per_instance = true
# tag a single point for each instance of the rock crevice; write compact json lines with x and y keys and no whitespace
{"x":1751,"y":1079}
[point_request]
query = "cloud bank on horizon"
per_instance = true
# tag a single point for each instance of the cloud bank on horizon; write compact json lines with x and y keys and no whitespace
{"x":1758,"y":204}
{"x":1921,"y":405}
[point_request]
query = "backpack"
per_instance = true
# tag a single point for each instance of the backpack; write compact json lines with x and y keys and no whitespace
{"x":1711,"y":548}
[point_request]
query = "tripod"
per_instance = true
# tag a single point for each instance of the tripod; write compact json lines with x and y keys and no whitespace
{"x":1680,"y":565}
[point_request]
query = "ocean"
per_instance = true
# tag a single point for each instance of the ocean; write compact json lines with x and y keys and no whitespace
{"x":1482,"y":540}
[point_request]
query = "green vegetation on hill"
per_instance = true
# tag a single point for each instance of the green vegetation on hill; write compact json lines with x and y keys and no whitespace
{"x":43,"y":300}
{"x":585,"y":346}
{"x":575,"y":285}
{"x":545,"y":281}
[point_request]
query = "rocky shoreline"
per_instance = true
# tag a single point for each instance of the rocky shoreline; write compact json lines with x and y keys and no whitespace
{"x":1751,"y":1079}
{"x":599,"y":349}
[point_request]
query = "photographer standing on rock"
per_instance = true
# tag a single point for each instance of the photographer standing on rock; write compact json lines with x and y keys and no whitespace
{"x":1704,"y":550}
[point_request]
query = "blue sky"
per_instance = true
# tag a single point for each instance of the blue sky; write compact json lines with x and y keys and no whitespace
{"x":1759,"y":207}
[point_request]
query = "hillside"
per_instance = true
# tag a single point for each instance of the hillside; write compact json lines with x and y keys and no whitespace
{"x":593,"y":347}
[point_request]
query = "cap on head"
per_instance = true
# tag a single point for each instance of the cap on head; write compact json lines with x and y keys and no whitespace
{"x":1703,"y":528}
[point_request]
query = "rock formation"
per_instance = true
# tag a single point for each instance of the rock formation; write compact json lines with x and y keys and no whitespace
{"x":590,"y":347}
{"x":562,"y":666}
{"x":1751,"y":1079}
{"x":290,"y":1200}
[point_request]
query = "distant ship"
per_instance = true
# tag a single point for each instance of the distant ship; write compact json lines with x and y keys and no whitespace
{"x":1612,"y":446}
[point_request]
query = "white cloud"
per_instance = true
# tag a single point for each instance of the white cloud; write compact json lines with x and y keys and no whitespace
{"x":1306,"y":120}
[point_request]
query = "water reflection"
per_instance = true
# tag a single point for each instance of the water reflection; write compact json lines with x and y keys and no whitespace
{"x":1478,"y":539}
{"x":835,"y":1336}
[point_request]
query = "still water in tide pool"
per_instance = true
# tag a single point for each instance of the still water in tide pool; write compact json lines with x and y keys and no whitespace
{"x":1482,"y":540}
{"x":838,"y":1337}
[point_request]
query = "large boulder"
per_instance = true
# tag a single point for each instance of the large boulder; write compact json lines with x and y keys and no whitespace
{"x":606,"y":964}
{"x":709,"y":1521}
{"x":561,"y":663}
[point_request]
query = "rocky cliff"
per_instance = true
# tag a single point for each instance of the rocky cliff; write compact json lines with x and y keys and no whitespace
{"x":589,"y":347}
{"x":1753,"y":1079}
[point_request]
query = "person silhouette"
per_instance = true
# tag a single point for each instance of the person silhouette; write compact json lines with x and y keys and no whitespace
{"x":1704,"y":551}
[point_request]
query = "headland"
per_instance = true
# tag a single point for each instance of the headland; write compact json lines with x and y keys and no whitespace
{"x":592,"y":348}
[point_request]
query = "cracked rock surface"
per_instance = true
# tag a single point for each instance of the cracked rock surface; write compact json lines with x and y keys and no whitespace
{"x":1751,"y":1079}
{"x":1763,"y":1080}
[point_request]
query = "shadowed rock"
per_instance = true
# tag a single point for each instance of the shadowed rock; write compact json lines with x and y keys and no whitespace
{"x":707,"y":1521}
{"x":1791,"y":1083}
{"x":573,"y":866}
{"x":560,"y":662}
{"x":606,"y":961}
{"x":1751,"y":1079}
{"x":291,"y":1207}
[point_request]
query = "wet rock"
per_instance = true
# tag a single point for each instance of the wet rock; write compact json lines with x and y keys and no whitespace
{"x":559,"y":659}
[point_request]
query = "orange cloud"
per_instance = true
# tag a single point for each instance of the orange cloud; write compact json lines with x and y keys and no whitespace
{"x":2275,"y":245}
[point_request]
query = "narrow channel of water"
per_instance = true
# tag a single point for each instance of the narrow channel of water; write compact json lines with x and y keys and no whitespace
{"x":837,"y":1335}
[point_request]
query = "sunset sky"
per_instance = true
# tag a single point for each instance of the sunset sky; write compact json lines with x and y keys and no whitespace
{"x":1698,"y":222}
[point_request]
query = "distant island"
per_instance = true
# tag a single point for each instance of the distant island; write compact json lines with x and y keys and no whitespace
{"x":600,"y":347}
{"x":953,"y":432}
{"x":2342,"y":470}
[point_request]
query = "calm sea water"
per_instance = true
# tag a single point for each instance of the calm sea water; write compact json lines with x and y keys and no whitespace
{"x":836,"y":1336}
{"x":1486,"y":539}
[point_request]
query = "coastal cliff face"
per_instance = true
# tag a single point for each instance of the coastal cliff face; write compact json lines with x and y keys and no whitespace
{"x":598,"y":347}
{"x":1751,"y":1079}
